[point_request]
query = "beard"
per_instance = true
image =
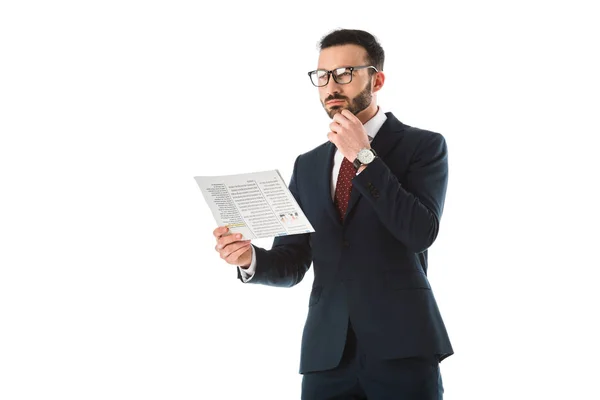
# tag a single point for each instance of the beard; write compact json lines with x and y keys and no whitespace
{"x":356,"y":105}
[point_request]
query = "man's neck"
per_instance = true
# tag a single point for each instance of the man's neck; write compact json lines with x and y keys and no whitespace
{"x":368,"y":113}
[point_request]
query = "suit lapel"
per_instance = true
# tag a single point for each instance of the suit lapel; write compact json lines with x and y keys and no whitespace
{"x":354,"y":198}
{"x":327,"y":168}
{"x":389,"y":133}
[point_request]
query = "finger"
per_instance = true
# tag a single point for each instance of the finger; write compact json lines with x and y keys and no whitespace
{"x":335,"y":127}
{"x":226,"y":240}
{"x":341,"y":118}
{"x":332,"y":137}
{"x":233,"y":257}
{"x":348,"y":116}
{"x":232,"y":248}
{"x":220,"y":231}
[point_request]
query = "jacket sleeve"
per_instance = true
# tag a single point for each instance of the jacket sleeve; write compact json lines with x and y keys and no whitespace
{"x":290,"y":256}
{"x":411,"y":212}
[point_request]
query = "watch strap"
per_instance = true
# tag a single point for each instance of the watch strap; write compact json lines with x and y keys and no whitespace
{"x":357,"y":164}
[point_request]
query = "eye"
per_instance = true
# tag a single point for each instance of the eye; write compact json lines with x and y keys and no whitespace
{"x":342,"y":72}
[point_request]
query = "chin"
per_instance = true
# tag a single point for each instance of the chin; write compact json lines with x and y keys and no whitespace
{"x":335,"y":110}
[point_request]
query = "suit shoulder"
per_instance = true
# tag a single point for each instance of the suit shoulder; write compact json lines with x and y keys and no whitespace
{"x":412,"y":134}
{"x":315,"y":152}
{"x":425,"y":143}
{"x":419,"y":135}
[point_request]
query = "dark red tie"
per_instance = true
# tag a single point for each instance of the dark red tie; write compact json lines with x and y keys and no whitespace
{"x":343,"y":187}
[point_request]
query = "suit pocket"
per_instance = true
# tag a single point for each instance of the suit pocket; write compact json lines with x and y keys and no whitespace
{"x":400,"y":280}
{"x":315,"y":295}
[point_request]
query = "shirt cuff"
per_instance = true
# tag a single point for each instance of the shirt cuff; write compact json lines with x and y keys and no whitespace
{"x":248,"y":273}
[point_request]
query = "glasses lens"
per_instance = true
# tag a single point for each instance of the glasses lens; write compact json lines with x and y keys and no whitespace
{"x":342,"y":75}
{"x":319,"y":77}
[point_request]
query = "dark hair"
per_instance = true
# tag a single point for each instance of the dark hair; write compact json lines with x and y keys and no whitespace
{"x":375,"y":54}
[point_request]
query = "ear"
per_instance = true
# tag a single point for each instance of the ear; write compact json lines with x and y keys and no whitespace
{"x":378,"y":81}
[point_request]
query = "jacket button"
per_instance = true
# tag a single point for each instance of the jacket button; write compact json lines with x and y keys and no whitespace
{"x":346,"y":244}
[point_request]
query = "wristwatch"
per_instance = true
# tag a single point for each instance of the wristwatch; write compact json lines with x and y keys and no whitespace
{"x":364,"y":157}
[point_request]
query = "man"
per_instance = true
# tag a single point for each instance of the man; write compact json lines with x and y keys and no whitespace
{"x":374,"y":194}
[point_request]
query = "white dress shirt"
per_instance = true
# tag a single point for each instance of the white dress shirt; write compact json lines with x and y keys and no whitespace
{"x":372,"y":126}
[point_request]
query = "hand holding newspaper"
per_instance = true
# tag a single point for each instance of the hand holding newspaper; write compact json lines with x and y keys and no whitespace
{"x":257,"y":205}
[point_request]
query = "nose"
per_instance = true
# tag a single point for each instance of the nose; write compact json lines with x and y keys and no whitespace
{"x":332,"y":87}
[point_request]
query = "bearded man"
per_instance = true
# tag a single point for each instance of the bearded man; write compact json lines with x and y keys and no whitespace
{"x":374,"y":193}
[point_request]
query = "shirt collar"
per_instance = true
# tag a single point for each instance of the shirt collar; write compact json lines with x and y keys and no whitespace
{"x":373,"y":125}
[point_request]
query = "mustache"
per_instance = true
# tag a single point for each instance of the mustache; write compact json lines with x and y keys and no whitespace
{"x":335,"y":97}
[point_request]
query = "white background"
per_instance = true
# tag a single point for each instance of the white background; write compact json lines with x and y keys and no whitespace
{"x":110,"y":287}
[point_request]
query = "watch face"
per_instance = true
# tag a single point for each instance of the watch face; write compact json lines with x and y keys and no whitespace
{"x":365,"y":156}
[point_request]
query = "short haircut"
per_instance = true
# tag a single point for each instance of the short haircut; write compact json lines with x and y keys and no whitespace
{"x":375,"y":54}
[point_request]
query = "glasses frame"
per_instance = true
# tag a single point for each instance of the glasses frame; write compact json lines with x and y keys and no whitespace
{"x":330,"y":73}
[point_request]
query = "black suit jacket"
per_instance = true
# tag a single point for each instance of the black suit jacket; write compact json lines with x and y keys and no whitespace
{"x":372,"y":268}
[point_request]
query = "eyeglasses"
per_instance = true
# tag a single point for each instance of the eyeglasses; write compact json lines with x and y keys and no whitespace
{"x":320,"y":77}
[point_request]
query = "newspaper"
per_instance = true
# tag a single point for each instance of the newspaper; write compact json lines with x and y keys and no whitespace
{"x":257,"y":205}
